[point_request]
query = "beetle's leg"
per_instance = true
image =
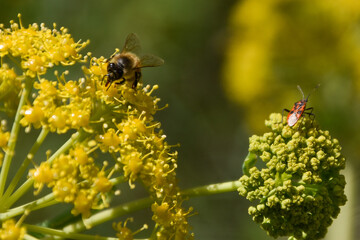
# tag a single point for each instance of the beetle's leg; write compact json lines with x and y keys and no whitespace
{"x":310,"y":114}
{"x":302,"y":119}
{"x":282,"y":114}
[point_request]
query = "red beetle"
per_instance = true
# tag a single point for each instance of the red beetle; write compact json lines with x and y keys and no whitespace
{"x":299,"y":109}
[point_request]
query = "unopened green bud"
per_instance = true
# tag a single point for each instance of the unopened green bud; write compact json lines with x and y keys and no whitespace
{"x":300,"y":188}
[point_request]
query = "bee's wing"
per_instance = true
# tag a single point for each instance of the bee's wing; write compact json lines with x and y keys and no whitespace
{"x":132,"y":44}
{"x":149,"y":60}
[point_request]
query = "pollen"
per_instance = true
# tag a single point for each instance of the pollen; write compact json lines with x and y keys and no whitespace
{"x":65,"y":190}
{"x":4,"y":138}
{"x":42,"y":174}
{"x":110,"y":139}
{"x":97,"y":70}
{"x":81,"y":156}
{"x":82,"y":204}
{"x":132,"y":164}
{"x":35,"y":64}
{"x":162,"y":213}
{"x":58,"y":120}
{"x":72,"y":88}
{"x":34,"y":115}
{"x":79,"y":118}
{"x":125,"y":233}
{"x":102,"y":184}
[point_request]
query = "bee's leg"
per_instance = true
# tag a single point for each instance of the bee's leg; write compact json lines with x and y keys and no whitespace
{"x":121,"y":82}
{"x":137,"y":78}
{"x":102,"y":80}
{"x":108,"y":86}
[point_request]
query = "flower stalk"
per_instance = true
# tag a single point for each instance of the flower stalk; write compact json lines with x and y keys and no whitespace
{"x":25,"y":187}
{"x":211,"y":189}
{"x":39,"y":141}
{"x":9,"y":154}
{"x":63,"y":234}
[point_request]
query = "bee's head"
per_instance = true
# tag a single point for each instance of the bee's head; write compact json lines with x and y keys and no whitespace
{"x":115,"y":71}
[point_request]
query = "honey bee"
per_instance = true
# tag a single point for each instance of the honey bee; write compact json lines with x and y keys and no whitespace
{"x":126,"y":65}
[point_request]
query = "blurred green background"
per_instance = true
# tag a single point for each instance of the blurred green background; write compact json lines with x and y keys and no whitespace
{"x":228,"y":65}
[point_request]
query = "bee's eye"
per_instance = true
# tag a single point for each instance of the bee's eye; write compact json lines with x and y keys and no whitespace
{"x":111,"y":65}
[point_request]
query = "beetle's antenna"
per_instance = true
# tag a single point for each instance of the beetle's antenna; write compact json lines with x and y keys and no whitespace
{"x":301,"y":91}
{"x":313,"y":90}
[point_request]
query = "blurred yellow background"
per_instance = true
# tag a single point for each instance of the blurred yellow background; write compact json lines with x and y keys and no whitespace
{"x":228,"y":65}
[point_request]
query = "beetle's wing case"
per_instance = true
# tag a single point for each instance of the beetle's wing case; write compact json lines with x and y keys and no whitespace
{"x":149,"y":60}
{"x":132,"y":44}
{"x":292,"y":119}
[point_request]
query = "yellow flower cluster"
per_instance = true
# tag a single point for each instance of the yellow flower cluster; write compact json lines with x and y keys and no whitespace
{"x":125,"y":233}
{"x":112,"y":123}
{"x":142,"y":152}
{"x":38,"y":47}
{"x":10,"y":85}
{"x":74,"y":177}
{"x":59,"y":106}
{"x":11,"y":231}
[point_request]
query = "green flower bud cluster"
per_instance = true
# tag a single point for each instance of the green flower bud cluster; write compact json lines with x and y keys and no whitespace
{"x":299,"y":188}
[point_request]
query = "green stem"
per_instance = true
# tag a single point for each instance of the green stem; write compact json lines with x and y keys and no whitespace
{"x":45,"y":201}
{"x":108,"y":214}
{"x":26,"y":162}
{"x":212,"y":189}
{"x":126,"y":208}
{"x":249,"y":162}
{"x":78,"y":136}
{"x":66,"y":217}
{"x":29,"y":237}
{"x":67,"y":235}
{"x":118,"y":180}
{"x":14,"y":135}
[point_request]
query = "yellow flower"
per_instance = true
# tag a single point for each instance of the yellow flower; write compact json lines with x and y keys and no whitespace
{"x":11,"y":231}
{"x":125,"y":233}
{"x":83,"y":204}
{"x":39,"y":47}
{"x":10,"y":85}
{"x":102,"y":183}
{"x":110,"y":141}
